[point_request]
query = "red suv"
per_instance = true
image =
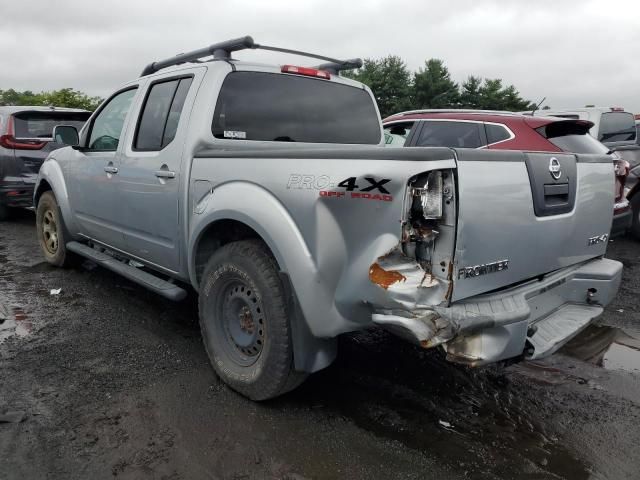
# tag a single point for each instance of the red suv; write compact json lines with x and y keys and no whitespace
{"x":506,"y":131}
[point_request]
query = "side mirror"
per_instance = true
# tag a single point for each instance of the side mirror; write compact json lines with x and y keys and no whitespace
{"x":66,"y":134}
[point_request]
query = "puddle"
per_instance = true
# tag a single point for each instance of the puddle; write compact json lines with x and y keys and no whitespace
{"x":14,"y":322}
{"x":607,"y":347}
{"x":468,"y":419}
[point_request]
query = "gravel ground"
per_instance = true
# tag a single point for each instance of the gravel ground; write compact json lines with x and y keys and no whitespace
{"x":107,"y":380}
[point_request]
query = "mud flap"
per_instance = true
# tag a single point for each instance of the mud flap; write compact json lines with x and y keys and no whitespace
{"x":310,"y":353}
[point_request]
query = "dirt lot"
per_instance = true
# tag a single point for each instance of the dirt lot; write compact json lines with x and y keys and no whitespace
{"x":106,"y":380}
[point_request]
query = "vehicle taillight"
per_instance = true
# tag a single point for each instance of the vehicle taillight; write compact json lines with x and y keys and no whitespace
{"x":430,"y":196}
{"x":617,"y":109}
{"x":621,"y":167}
{"x":309,"y":72}
{"x":8,"y":140}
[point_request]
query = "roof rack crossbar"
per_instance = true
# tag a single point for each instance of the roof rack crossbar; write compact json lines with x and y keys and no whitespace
{"x":222,"y":51}
{"x":218,"y":50}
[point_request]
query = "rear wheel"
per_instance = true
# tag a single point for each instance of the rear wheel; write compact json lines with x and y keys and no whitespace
{"x":635,"y":224}
{"x":51,"y":232}
{"x":244,"y":321}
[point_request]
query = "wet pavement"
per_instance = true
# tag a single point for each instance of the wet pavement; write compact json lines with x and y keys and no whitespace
{"x":107,"y":380}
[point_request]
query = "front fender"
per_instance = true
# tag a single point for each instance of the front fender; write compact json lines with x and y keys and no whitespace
{"x":256,"y":207}
{"x":51,"y":172}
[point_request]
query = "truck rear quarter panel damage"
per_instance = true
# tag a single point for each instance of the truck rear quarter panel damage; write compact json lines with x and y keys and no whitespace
{"x":327,"y":221}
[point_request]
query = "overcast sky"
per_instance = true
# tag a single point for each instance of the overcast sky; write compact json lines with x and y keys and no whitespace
{"x":574,"y":52}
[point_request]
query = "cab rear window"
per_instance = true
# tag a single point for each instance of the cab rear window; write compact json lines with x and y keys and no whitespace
{"x":289,"y":108}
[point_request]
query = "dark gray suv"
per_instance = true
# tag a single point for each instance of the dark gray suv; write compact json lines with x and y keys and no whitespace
{"x":25,"y":141}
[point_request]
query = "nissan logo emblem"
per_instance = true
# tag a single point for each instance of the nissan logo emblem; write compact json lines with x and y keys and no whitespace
{"x":554,"y":168}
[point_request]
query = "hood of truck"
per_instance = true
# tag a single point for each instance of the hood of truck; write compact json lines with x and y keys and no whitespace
{"x":523,"y":215}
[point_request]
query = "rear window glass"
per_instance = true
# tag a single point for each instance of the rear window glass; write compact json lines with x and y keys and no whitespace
{"x":161,"y":113}
{"x":579,"y":144}
{"x":496,"y":133}
{"x":40,"y":124}
{"x":617,"y":127}
{"x":290,"y":108}
{"x":450,"y":134}
{"x":572,"y":137}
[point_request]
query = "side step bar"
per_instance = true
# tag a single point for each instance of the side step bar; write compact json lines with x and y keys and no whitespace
{"x":153,"y":283}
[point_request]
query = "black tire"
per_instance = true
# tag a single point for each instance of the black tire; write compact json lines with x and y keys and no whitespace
{"x":4,"y":212}
{"x":51,"y":231}
{"x":245,"y":322}
{"x":635,"y":223}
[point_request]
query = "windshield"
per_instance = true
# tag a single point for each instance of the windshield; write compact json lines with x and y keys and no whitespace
{"x":617,"y":127}
{"x":292,"y":108}
{"x":40,"y":124}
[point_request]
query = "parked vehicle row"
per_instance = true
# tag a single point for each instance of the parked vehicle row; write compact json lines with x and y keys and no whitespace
{"x":267,"y":190}
{"x":512,"y":131}
{"x":616,"y":129}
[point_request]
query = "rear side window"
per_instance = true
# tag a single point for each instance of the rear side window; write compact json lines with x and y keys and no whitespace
{"x":160,"y":114}
{"x":40,"y":124}
{"x":496,"y":133}
{"x":450,"y":134}
{"x":617,"y":127}
{"x":396,"y":135}
{"x":291,"y":108}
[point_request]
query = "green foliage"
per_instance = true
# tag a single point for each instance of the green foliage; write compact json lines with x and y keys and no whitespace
{"x":396,"y":89}
{"x":433,"y":87}
{"x":65,"y":97}
{"x":389,"y":79}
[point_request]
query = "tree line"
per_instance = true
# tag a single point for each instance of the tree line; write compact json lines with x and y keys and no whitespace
{"x":396,"y":88}
{"x":65,"y":97}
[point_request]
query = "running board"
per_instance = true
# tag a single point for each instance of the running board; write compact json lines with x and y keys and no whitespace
{"x":141,"y":277}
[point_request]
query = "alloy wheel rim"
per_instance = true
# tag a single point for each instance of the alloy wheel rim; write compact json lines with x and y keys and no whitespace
{"x":50,"y":232}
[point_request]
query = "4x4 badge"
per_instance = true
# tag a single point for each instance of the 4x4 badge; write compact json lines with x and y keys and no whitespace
{"x":554,"y":168}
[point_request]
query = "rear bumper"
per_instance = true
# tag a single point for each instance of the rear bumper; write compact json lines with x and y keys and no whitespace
{"x":622,"y":219}
{"x":16,"y":194}
{"x":531,"y":320}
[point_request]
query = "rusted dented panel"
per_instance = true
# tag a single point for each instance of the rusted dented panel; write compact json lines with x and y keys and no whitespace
{"x":408,"y":285}
{"x":412,"y":294}
{"x":384,"y":278}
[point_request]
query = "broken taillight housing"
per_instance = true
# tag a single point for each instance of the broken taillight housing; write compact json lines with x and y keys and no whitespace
{"x":431,"y":196}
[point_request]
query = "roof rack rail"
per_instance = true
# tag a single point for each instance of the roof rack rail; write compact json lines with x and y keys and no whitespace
{"x":222,"y":51}
{"x":455,"y":110}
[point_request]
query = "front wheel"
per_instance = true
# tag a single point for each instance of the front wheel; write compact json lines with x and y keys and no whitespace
{"x":244,"y":321}
{"x":51,"y":232}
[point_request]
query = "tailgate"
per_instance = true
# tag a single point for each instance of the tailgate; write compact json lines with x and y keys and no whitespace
{"x":522,"y":215}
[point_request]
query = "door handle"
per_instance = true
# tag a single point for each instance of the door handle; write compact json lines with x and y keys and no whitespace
{"x":165,"y":174}
{"x":111,"y":169}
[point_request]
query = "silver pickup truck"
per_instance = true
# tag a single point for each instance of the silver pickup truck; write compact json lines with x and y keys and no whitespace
{"x":267,"y":189}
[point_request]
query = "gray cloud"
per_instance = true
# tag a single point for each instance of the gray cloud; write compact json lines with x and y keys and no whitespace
{"x":573,"y":52}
